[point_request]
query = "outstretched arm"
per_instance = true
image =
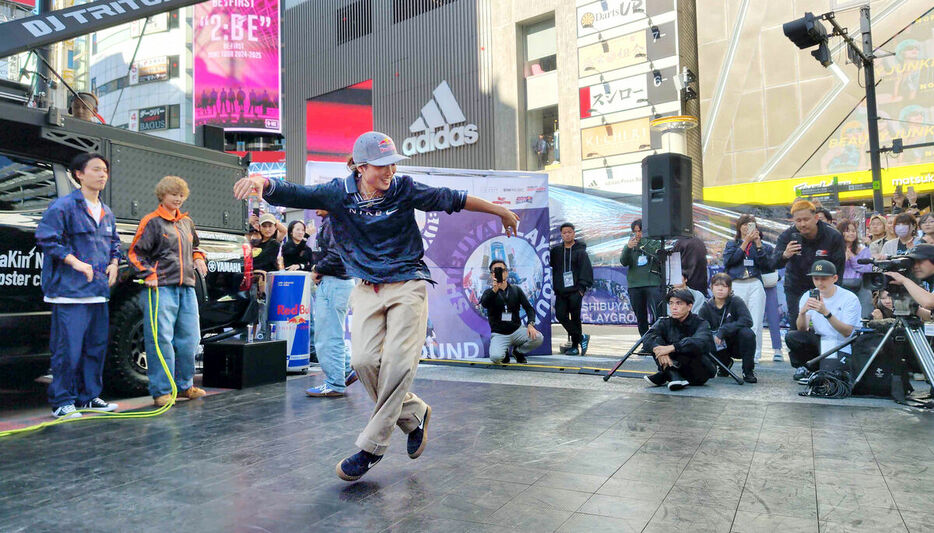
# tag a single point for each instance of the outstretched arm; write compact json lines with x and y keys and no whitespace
{"x":479,"y":205}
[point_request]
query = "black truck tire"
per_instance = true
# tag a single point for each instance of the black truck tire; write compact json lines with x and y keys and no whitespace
{"x":124,"y":373}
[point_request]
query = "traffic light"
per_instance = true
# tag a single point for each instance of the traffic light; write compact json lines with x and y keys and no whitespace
{"x":806,"y":32}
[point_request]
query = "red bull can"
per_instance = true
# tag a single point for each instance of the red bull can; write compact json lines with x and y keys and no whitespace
{"x":289,"y":315}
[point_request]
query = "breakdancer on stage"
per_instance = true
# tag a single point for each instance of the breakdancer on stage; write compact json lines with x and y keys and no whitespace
{"x":378,"y":238}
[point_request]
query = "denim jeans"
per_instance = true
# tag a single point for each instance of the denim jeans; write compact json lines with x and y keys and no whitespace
{"x":331,"y":301}
{"x":179,"y":334}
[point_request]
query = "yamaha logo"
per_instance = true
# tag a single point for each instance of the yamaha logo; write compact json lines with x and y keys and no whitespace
{"x":437,"y":127}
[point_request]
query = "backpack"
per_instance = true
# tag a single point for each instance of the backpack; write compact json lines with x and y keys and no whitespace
{"x":887,"y":376}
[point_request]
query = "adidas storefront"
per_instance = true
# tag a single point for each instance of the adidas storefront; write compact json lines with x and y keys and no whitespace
{"x":420,"y":75}
{"x":566,"y":88}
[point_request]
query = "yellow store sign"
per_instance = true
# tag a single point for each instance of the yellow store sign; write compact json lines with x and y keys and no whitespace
{"x":783,"y":192}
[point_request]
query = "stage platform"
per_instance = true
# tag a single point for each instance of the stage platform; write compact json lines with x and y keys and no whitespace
{"x":507,"y":451}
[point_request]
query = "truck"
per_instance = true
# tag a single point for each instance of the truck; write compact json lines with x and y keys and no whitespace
{"x":36,"y":146}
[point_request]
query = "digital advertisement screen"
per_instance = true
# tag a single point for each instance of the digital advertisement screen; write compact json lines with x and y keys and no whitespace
{"x":237,"y":65}
{"x":334,"y":120}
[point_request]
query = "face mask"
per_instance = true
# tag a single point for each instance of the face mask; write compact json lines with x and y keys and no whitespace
{"x":901,"y":230}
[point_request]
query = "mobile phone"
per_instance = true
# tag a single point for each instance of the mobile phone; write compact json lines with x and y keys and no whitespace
{"x":814,"y":294}
{"x":255,"y":211}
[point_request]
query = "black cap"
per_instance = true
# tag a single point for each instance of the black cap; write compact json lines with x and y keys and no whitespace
{"x":682,"y":294}
{"x":922,"y":251}
{"x":822,"y":267}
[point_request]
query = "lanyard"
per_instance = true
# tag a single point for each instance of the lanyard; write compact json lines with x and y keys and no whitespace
{"x":567,"y":260}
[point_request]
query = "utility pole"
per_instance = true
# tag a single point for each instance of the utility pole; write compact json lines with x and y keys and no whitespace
{"x":872,"y":113}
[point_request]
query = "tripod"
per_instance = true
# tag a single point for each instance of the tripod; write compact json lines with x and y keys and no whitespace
{"x":642,"y":339}
{"x":900,"y":329}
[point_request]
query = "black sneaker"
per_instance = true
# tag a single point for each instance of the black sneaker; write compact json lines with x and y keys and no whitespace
{"x":677,"y":382}
{"x":801,"y":375}
{"x":585,"y":342}
{"x":417,"y":440}
{"x":750,"y":378}
{"x":353,"y":467}
{"x":572,"y":351}
{"x":99,"y":405}
{"x":520,"y":358}
{"x":657,"y":379}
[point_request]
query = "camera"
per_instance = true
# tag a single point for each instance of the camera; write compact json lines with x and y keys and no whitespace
{"x":499,"y":274}
{"x":902,"y":303}
{"x":877,"y":280}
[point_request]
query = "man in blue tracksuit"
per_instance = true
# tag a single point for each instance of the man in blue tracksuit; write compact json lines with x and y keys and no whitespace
{"x":78,"y":236}
{"x":373,"y":215}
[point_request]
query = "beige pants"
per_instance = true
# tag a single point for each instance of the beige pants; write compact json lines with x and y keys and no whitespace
{"x":387,"y":333}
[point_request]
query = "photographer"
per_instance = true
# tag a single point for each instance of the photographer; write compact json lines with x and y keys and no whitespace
{"x":680,"y":343}
{"x":923,"y":269}
{"x":745,"y":258}
{"x":731,"y":324}
{"x":502,"y":302}
{"x":799,"y":246}
{"x":834,"y":314}
{"x":643,"y":277}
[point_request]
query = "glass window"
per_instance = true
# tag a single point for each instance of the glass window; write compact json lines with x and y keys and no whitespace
{"x":354,"y":20}
{"x":544,"y":146}
{"x":26,"y":185}
{"x":406,"y":9}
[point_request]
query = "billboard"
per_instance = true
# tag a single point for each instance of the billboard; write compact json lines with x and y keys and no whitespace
{"x":237,"y":65}
{"x":153,"y":118}
{"x":334,"y":120}
{"x":595,"y":17}
{"x":149,"y":70}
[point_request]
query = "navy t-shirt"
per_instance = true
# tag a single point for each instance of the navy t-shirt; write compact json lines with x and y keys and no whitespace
{"x":378,"y":239}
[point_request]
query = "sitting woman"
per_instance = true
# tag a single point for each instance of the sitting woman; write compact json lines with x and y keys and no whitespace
{"x":731,"y":324}
{"x":882,"y":305}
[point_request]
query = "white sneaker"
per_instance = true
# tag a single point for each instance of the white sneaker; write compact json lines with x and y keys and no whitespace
{"x":778,"y":357}
{"x":66,"y":411}
{"x":677,"y":384}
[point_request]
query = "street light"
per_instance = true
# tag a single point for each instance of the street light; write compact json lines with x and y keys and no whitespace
{"x":808,"y":32}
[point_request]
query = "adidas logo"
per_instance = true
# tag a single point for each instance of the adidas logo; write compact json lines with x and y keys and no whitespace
{"x":434,"y":127}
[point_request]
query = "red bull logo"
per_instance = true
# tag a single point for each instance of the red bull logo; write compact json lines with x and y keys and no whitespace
{"x":297,"y":309}
{"x":296,"y":320}
{"x":386,"y":145}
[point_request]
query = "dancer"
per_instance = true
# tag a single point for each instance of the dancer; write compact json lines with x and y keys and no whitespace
{"x":377,"y":236}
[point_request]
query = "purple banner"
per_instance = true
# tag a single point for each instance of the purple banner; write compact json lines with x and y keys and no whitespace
{"x":237,"y":65}
{"x":459,"y":248}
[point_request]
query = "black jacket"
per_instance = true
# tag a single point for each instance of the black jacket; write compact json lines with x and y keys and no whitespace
{"x":496,"y":302}
{"x":296,"y":254}
{"x":737,"y":316}
{"x":693,"y":262}
{"x":690,"y":337}
{"x":266,"y":255}
{"x":827,"y":245}
{"x":329,"y":262}
{"x":580,"y":267}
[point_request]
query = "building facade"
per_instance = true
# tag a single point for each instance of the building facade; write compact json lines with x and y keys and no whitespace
{"x":150,"y":93}
{"x":554,"y":86}
{"x":775,"y":121}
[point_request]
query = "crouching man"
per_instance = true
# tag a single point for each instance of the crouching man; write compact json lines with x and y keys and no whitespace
{"x":502,"y":302}
{"x":680,"y":343}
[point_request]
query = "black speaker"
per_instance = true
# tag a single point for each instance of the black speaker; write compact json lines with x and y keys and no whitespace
{"x":210,"y":137}
{"x":235,"y":364}
{"x":666,"y":196}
